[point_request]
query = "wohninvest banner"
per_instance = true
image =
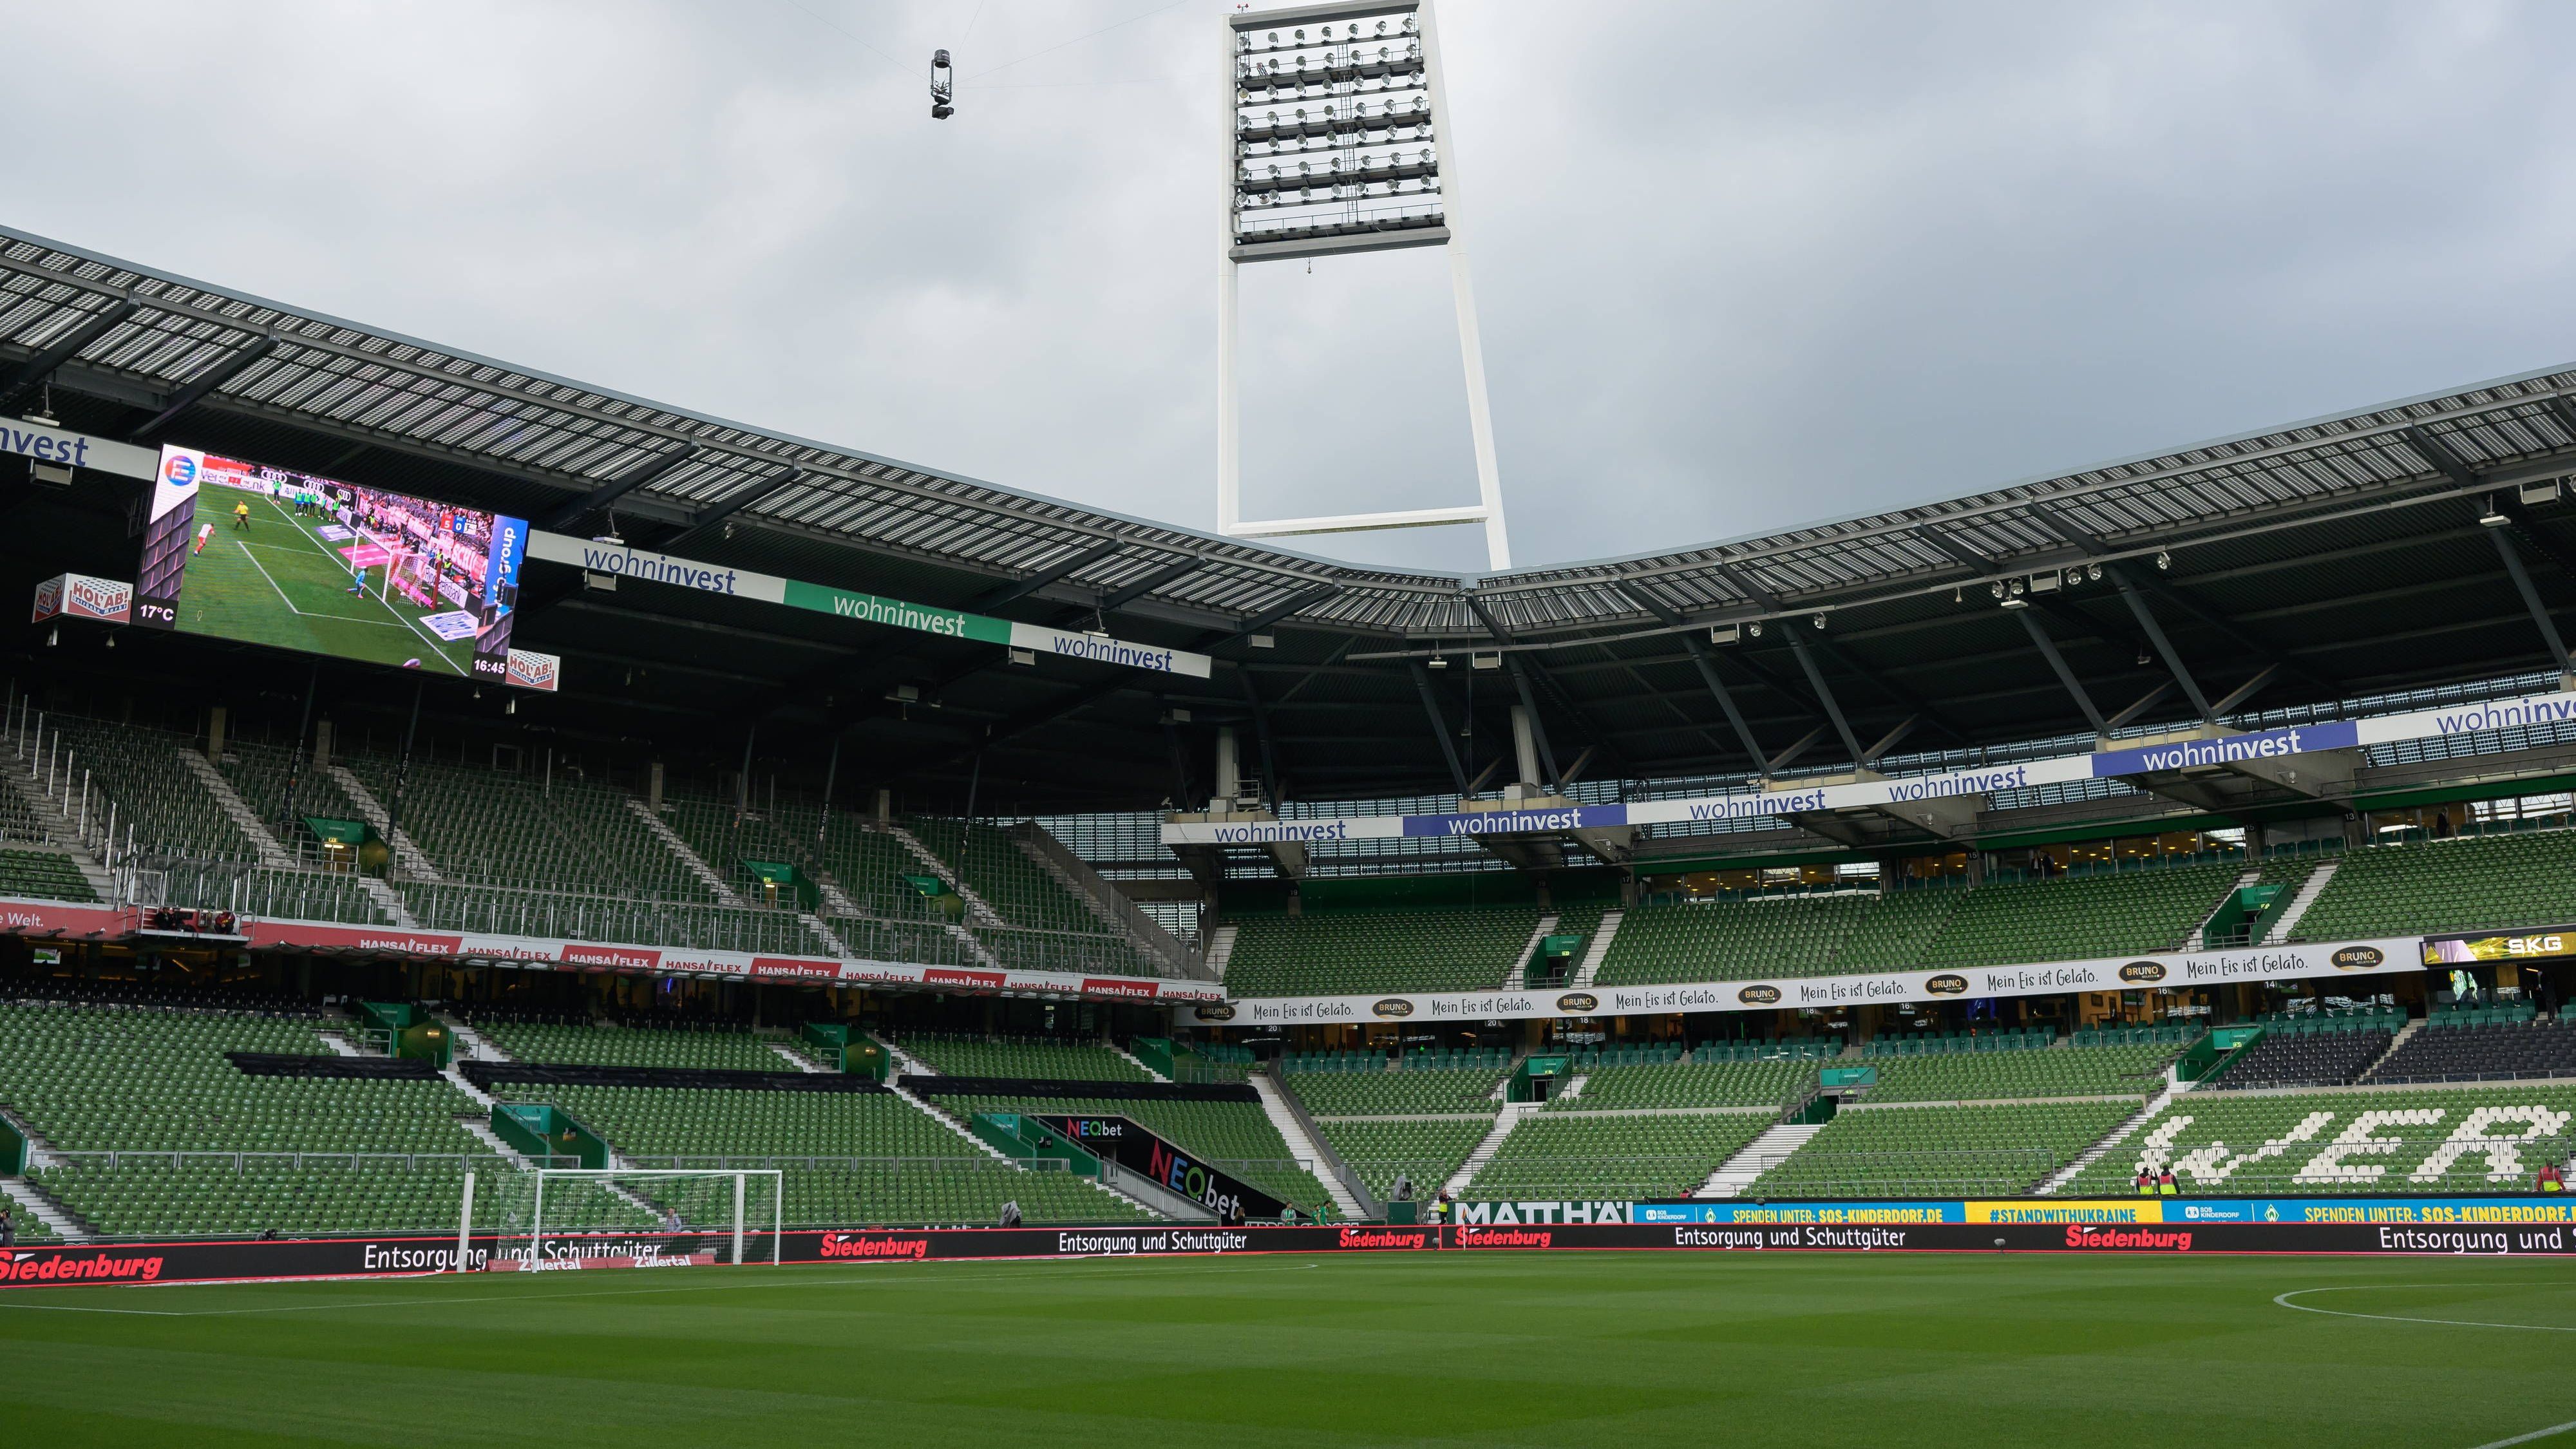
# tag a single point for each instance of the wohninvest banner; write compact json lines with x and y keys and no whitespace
{"x":2253,"y":748}
{"x":622,"y":562}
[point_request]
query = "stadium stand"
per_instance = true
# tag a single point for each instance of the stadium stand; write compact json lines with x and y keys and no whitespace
{"x":44,"y":875}
{"x":1977,"y":1151}
{"x":993,"y":866}
{"x":720,"y":1048}
{"x":1031,"y":1059}
{"x":2473,"y":1140}
{"x":1333,"y":951}
{"x":844,"y":1157}
{"x":1397,"y":1093}
{"x":1424,"y":1150}
{"x":499,"y":827}
{"x":158,"y":1131}
{"x":1898,"y":933}
{"x":2458,"y":884}
{"x":1722,"y":940}
{"x":2326,"y":1053}
{"x":1595,"y":1155}
{"x":260,"y":773}
{"x":163,"y":801}
{"x":2070,"y":1071}
{"x":2076,"y":917}
{"x":450,"y":906}
{"x":1689,"y":1084}
{"x":263,"y":891}
{"x":2466,"y":1046}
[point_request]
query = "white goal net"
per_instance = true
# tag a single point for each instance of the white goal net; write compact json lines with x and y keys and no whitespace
{"x":561,"y":1217}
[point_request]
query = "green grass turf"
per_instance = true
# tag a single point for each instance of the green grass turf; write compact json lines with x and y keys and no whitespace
{"x":277,"y":583}
{"x":1611,"y":1350}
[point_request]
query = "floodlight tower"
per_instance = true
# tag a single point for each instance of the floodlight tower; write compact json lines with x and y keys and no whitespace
{"x":1338,"y":140}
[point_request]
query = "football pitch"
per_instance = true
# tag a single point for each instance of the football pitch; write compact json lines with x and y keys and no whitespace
{"x":280,"y":583}
{"x":1457,"y":1349}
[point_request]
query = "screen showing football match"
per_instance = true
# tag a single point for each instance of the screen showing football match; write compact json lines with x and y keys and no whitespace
{"x":268,"y":556}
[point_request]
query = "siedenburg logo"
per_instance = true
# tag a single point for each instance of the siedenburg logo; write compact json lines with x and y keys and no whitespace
{"x":1383,"y":1238}
{"x":1502,"y":1238}
{"x":1393,"y":1006}
{"x":1947,"y":985}
{"x":1217,"y":1012}
{"x":1578,"y":1002}
{"x":2088,"y":1236}
{"x":1758,"y":995}
{"x":855,"y":1245}
{"x":53,"y":1267}
{"x":2142,"y":971}
{"x":2358,"y":958}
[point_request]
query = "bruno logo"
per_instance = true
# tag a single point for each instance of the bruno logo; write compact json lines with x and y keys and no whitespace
{"x":1947,"y":985}
{"x":1218,"y":1012}
{"x":1393,"y":1006}
{"x":1578,"y":1002}
{"x":2142,"y":971}
{"x":2357,"y":958}
{"x":1758,"y":995}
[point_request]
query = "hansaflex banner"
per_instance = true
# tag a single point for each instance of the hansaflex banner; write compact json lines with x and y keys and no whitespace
{"x":2340,"y":959}
{"x":2254,"y":750}
{"x":56,"y":920}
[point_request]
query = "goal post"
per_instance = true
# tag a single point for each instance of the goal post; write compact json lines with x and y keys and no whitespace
{"x":544,"y":1218}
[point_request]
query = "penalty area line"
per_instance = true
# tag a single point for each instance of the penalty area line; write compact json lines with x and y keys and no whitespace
{"x":2283,"y":1299}
{"x":2534,"y":1434}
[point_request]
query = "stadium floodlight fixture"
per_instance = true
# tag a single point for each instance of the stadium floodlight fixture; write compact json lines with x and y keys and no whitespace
{"x":2016,"y":603}
{"x":1354,"y":90}
{"x":2164,"y":560}
{"x":1436,"y":661}
{"x":1724,"y":633}
{"x":1492,"y":660}
{"x":943,"y":86}
{"x":1820,"y":621}
{"x":2093,"y":572}
{"x":2491,"y":518}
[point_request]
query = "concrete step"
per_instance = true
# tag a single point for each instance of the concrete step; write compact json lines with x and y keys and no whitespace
{"x":1513,"y":973}
{"x":2057,"y":1181}
{"x":1504,"y":1121}
{"x":243,"y":817}
{"x":407,"y":854}
{"x":671,"y":841}
{"x":2309,"y":890}
{"x":1303,"y":1146}
{"x":1759,"y":1156}
{"x":1597,"y":950}
{"x":1220,"y":949}
{"x":41,"y":1205}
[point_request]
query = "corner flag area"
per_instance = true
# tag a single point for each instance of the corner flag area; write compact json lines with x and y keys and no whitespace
{"x":280,"y":581}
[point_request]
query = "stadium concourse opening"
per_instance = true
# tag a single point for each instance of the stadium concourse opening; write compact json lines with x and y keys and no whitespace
{"x":2082,"y":867}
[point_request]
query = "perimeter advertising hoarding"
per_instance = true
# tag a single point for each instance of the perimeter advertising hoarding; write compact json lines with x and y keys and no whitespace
{"x":67,"y":1265}
{"x":2555,"y":943}
{"x":1128,"y":1143}
{"x":289,"y":560}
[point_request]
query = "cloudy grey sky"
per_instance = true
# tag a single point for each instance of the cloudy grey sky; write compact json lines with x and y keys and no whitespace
{"x":1741,"y":265}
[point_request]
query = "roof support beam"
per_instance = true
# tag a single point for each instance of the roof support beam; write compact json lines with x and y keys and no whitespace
{"x":2164,"y":648}
{"x":1537,"y":726}
{"x":2141,"y":704}
{"x":37,"y":369}
{"x":1816,"y":678}
{"x":1261,"y":736}
{"x":2536,"y":533}
{"x":1071,"y":563}
{"x":2531,"y":600}
{"x":1889,"y":740}
{"x":2248,"y":689}
{"x":217,"y":373}
{"x":618,"y":487}
{"x":1439,"y":726}
{"x":2065,"y":676}
{"x":1797,"y":747}
{"x":1695,"y":645}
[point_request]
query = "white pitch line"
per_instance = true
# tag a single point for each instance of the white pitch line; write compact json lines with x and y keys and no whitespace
{"x":250,"y":551}
{"x":2534,"y":1434}
{"x":2283,"y":1299}
{"x":371,"y":1303}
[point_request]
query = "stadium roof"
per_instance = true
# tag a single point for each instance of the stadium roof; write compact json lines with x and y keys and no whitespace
{"x":2311,"y":562}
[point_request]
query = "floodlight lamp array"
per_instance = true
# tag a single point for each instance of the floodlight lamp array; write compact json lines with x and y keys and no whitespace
{"x":1334,"y":133}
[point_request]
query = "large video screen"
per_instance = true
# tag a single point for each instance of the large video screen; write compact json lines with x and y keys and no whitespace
{"x":267,"y":556}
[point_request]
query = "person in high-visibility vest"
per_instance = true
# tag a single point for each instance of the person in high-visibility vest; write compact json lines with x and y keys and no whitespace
{"x":2166,"y":1186}
{"x":2551,"y":1178}
{"x":241,"y":515}
{"x":2146,"y":1182}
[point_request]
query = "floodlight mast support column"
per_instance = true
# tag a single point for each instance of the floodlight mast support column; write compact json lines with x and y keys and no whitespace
{"x":1441,"y":229}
